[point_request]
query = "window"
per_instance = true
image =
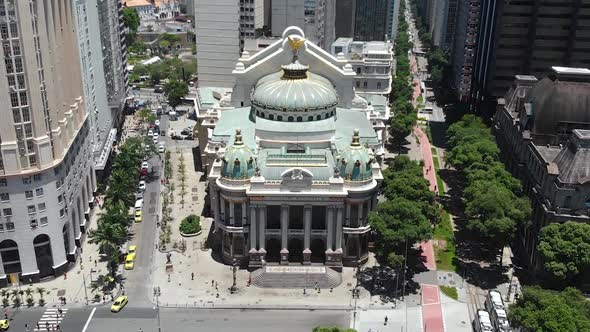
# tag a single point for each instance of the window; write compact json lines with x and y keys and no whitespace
{"x":3,"y":183}
{"x":43,"y":221}
{"x":33,"y":223}
{"x":28,"y":130}
{"x":299,"y":118}
{"x":290,"y":119}
{"x":41,"y":206}
{"x":37,"y":177}
{"x":280,"y":118}
{"x":29,"y":194}
{"x":7,"y":212}
{"x":1,"y":227}
{"x":5,"y":197}
{"x":33,"y":160}
{"x":364,"y":84}
{"x":39,"y":192}
{"x":378,"y":85}
{"x":358,"y":84}
{"x":31,"y":208}
{"x":62,"y":213}
{"x":10,"y":226}
{"x":59,"y":198}
{"x":27,"y":180}
{"x":16,"y":115}
{"x":26,"y":114}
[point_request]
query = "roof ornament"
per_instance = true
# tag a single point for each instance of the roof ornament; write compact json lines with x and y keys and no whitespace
{"x":238,"y":138}
{"x":295,"y":46}
{"x":336,"y":173}
{"x":356,"y":141}
{"x":257,"y":171}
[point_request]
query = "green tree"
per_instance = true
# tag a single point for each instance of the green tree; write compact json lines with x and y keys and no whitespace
{"x":131,"y":21}
{"x":542,"y":310}
{"x":175,"y":92}
{"x":109,"y":237}
{"x":397,"y":221}
{"x":565,"y":249}
{"x":493,"y":170}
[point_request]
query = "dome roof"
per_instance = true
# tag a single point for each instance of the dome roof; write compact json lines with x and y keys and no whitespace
{"x":238,"y":161}
{"x":294,"y":89}
{"x":559,"y":101}
{"x":354,"y":162}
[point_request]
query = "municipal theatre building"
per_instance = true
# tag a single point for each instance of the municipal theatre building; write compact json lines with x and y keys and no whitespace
{"x":293,"y":171}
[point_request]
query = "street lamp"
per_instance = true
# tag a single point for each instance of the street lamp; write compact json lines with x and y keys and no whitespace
{"x":234,"y":286}
{"x":157,"y":294}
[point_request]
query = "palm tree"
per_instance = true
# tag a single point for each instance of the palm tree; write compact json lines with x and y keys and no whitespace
{"x":109,"y":237}
{"x":41,"y":291}
{"x":114,"y":214}
{"x":28,"y":292}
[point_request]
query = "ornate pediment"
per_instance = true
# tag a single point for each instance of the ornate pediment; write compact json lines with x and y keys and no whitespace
{"x":296,"y":179}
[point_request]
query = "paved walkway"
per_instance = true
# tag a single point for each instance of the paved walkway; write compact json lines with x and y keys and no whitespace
{"x":432,"y":317}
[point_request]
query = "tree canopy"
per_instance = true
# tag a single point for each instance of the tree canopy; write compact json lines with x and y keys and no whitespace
{"x":565,"y":250}
{"x":175,"y":92}
{"x":542,"y":310}
{"x":131,"y":21}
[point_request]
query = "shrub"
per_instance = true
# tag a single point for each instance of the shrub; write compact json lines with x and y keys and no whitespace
{"x":190,"y":224}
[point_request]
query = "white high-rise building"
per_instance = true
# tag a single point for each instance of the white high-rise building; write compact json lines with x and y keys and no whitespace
{"x":218,"y":41}
{"x":46,"y":167}
{"x":315,"y":17}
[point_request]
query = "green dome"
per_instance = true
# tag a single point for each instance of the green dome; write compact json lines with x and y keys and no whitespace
{"x":354,"y":162}
{"x":238,"y":161}
{"x":294,"y":89}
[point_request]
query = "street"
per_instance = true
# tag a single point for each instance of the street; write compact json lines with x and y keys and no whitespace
{"x":131,"y":318}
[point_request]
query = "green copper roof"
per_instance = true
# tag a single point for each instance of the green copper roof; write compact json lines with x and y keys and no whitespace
{"x":238,"y":161}
{"x":283,"y":92}
{"x":354,"y":162}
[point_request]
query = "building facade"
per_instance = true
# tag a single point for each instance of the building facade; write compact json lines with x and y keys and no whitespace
{"x":46,"y":171}
{"x":218,"y":41}
{"x":543,"y":131}
{"x":293,"y":170}
{"x":114,"y":53}
{"x":527,"y":37}
{"x":251,"y":19}
{"x":103,"y":119}
{"x":463,"y":51}
{"x":315,"y":17}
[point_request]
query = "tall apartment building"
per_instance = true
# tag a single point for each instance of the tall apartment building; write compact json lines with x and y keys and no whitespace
{"x":103,"y":119}
{"x":251,"y":19}
{"x":218,"y":41}
{"x":114,"y":52}
{"x":316,"y":18}
{"x":46,"y":171}
{"x":463,"y":51}
{"x":373,"y":20}
{"x":528,"y":37}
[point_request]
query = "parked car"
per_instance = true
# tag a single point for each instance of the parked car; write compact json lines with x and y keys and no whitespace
{"x":150,"y":133}
{"x":141,"y":185}
{"x":145,"y":165}
{"x":161,"y":148}
{"x":157,"y":123}
{"x":158,"y":89}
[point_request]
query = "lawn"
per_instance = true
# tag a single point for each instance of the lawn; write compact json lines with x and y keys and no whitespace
{"x":450,"y":292}
{"x":439,"y":182}
{"x":434,"y":153}
{"x":446,"y":259}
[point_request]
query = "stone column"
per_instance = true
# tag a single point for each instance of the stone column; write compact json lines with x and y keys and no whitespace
{"x":347,"y":214}
{"x":330,"y":229}
{"x":307,"y":211}
{"x":215,"y":203}
{"x":361,"y":213}
{"x":262,"y":230}
{"x":231,"y":213}
{"x":222,"y":209}
{"x":284,"y":234}
{"x":244,"y":214}
{"x":252,"y":228}
{"x":339,"y":217}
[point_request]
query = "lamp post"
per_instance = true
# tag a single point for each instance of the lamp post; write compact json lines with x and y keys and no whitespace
{"x":234,"y":287}
{"x":157,"y":295}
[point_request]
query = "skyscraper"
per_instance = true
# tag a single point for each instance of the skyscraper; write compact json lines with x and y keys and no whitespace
{"x":370,"y":20}
{"x":46,"y":170}
{"x":528,"y":37}
{"x":315,"y":17}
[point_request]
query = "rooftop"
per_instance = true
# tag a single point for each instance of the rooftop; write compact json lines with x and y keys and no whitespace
{"x":571,"y":71}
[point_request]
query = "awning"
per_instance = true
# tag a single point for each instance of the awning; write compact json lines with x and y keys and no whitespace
{"x":101,"y":162}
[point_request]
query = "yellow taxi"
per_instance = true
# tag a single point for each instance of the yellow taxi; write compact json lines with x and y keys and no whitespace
{"x":138,"y":216}
{"x":4,"y":324}
{"x":132,"y":249}
{"x":120,"y":302}
{"x":130,"y":262}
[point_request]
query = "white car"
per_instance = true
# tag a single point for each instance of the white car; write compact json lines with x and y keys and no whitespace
{"x":145,"y":165}
{"x":150,"y":133}
{"x":157,"y":123}
{"x":156,"y":134}
{"x":161,"y":148}
{"x":155,"y":140}
{"x":141,"y":185}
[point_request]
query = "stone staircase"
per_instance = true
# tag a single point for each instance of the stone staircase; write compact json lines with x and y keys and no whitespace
{"x":297,"y":277}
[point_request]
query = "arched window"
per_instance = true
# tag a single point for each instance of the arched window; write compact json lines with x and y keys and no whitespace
{"x":319,"y":117}
{"x":290,"y":119}
{"x":280,"y":118}
{"x":327,"y":115}
{"x":299,"y":118}
{"x":310,"y":118}
{"x":257,"y":113}
{"x":263,"y":115}
{"x":271,"y":116}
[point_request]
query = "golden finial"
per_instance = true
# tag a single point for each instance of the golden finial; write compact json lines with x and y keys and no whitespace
{"x":296,"y":43}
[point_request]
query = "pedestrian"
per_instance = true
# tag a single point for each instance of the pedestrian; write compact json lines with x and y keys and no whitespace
{"x":65,"y":301}
{"x":192,"y":276}
{"x":212,"y":283}
{"x":316,"y":286}
{"x":217,"y":296}
{"x":304,"y":291}
{"x":386,"y":319}
{"x":95,"y":263}
{"x":47,"y":326}
{"x":27,"y":327}
{"x":81,"y":250}
{"x":65,"y":275}
{"x":104,"y":299}
{"x":140,"y":329}
{"x":58,"y":327}
{"x":5,"y":315}
{"x":38,"y":327}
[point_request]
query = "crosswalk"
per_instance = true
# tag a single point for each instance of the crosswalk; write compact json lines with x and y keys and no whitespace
{"x":50,"y":320}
